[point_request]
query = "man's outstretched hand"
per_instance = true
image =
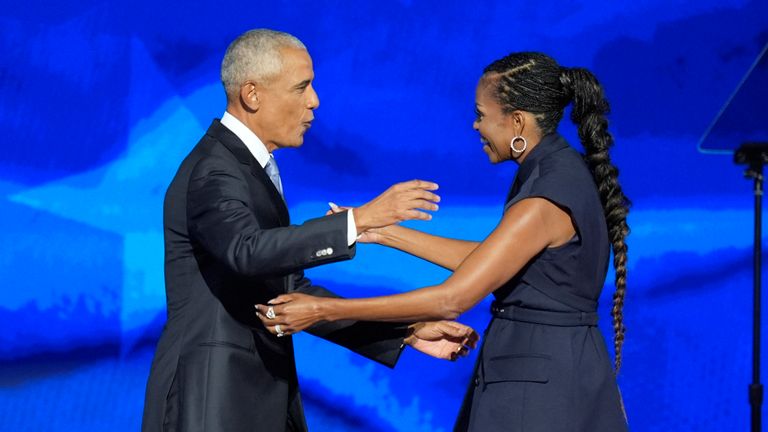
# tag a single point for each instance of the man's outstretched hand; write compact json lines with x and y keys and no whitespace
{"x":447,"y":340}
{"x":401,"y":202}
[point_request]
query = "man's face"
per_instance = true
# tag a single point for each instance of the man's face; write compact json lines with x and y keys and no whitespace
{"x":287,"y":102}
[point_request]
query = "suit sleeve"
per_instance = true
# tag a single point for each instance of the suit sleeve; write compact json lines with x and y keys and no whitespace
{"x":378,"y":341}
{"x":222,"y":223}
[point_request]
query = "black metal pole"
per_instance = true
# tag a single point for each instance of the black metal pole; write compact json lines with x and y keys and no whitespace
{"x":755,"y":155}
{"x":756,"y":388}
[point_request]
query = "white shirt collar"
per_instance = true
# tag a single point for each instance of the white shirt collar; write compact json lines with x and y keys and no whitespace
{"x":251,"y":141}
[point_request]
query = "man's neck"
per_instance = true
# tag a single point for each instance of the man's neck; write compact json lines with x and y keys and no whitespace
{"x":247,"y":135}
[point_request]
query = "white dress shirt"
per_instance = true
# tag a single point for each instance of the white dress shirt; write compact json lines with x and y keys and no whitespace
{"x":259,"y":151}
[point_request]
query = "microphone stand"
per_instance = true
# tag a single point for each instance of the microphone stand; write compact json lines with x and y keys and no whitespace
{"x":755,"y":155}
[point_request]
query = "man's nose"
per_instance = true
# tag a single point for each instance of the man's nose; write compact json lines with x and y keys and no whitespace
{"x":313,"y":100}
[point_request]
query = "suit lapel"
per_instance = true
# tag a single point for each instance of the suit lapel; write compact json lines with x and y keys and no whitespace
{"x":241,"y":152}
{"x":277,"y":199}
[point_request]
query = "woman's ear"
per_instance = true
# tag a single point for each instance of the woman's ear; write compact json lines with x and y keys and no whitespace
{"x":516,"y":121}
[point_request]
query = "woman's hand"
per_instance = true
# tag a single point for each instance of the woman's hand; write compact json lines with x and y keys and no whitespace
{"x":290,"y":313}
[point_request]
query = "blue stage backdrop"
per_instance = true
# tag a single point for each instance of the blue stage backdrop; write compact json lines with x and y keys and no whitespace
{"x":101,"y":101}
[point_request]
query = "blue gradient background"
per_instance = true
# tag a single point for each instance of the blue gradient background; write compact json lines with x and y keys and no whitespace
{"x":101,"y":100}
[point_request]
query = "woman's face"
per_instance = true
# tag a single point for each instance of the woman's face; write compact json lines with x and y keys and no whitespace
{"x":495,"y":127}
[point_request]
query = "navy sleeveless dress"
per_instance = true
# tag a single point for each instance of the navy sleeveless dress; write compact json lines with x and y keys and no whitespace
{"x":544,"y":365}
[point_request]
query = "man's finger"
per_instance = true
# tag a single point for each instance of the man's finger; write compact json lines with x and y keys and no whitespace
{"x":471,"y":338}
{"x":471,"y":342}
{"x":463,"y":351}
{"x":453,"y":329}
{"x":417,"y":194}
{"x":460,"y":351}
{"x":423,"y":204}
{"x":422,"y":184}
{"x":427,"y":196}
{"x":415,"y":214}
{"x":398,"y":187}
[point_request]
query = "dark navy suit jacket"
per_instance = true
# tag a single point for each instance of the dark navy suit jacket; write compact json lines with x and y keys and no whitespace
{"x":229,"y":245}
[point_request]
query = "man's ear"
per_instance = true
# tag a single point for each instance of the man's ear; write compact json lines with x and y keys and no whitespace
{"x":249,"y":96}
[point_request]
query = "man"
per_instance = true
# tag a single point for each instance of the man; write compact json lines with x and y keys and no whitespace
{"x":229,"y":245}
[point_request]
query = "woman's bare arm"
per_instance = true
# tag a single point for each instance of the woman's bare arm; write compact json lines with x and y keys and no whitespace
{"x":445,"y":252}
{"x":525,"y":230}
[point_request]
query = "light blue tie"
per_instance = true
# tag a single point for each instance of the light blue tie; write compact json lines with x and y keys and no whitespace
{"x":274,"y":174}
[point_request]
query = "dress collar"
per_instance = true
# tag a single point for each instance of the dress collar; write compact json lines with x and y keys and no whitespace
{"x":549,"y":144}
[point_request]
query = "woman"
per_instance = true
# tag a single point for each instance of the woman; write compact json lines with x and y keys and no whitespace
{"x":543,"y":365}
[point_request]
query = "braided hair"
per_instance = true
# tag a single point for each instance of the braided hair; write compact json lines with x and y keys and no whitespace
{"x":535,"y":83}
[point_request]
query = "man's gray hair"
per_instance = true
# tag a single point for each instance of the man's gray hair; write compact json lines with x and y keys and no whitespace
{"x":254,"y":55}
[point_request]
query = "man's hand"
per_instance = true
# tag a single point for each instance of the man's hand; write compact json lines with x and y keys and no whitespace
{"x":373,"y":235}
{"x":447,"y":340}
{"x":400,"y":202}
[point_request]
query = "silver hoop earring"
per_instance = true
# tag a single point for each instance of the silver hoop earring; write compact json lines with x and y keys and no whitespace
{"x":512,"y":144}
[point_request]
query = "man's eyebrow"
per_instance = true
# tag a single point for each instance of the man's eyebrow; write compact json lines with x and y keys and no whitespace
{"x":302,"y":84}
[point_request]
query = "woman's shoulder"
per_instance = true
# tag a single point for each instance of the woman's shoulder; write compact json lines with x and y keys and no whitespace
{"x":565,"y":167}
{"x":563,"y":160}
{"x":564,"y":177}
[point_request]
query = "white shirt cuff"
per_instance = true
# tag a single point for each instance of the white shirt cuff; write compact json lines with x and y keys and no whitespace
{"x":351,"y":228}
